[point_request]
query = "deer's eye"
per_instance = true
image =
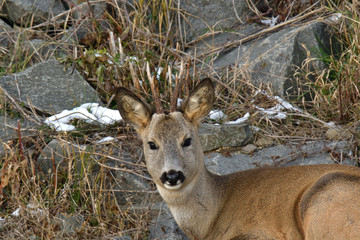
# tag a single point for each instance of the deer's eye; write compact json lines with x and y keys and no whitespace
{"x":187,"y":142}
{"x":152,"y":146}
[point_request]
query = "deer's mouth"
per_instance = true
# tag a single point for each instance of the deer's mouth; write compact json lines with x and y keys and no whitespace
{"x":172,"y":179}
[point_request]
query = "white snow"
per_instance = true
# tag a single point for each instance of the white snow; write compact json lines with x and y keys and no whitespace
{"x":216,"y":115}
{"x":90,"y":112}
{"x":16,"y":213}
{"x":158,"y":72}
{"x":102,"y":114}
{"x":132,"y":59}
{"x":179,"y":102}
{"x":331,"y":124}
{"x":243,"y":119}
{"x":255,"y":129}
{"x":271,"y":22}
{"x":279,"y":111}
{"x":106,"y":140}
{"x":335,"y":17}
{"x":286,"y":105}
{"x":34,"y":209}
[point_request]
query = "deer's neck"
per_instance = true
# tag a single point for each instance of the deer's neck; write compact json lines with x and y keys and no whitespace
{"x":196,"y":206}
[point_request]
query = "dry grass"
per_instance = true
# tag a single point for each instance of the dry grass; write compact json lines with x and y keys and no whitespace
{"x":85,"y":187}
{"x":336,"y":89}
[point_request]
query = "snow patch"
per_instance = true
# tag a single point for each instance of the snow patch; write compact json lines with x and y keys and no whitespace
{"x":241,"y":120}
{"x":16,"y":213}
{"x":271,"y":22}
{"x":90,"y":112}
{"x":106,"y":140}
{"x":216,"y":115}
{"x":279,"y":111}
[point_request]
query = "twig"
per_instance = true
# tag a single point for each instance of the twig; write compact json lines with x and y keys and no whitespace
{"x":236,"y":14}
{"x":122,"y":169}
{"x":18,"y":107}
{"x":21,"y":150}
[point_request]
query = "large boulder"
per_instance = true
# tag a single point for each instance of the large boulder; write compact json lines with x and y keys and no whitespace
{"x":322,"y":152}
{"x":201,"y":16}
{"x":49,"y":87}
{"x":26,"y":12}
{"x":273,"y":58}
{"x":228,"y":135}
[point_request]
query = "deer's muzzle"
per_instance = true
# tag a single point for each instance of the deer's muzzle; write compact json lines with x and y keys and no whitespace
{"x":172,"y":179}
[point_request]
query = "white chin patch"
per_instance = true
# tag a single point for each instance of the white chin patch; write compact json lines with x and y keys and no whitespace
{"x":173,"y":187}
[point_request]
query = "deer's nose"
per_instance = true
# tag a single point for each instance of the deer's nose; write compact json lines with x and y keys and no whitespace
{"x":172,"y":177}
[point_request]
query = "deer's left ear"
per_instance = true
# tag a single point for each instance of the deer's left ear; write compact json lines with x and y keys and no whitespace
{"x":200,"y":101}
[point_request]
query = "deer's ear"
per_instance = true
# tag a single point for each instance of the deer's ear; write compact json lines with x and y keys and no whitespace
{"x":200,"y":101}
{"x":132,"y":109}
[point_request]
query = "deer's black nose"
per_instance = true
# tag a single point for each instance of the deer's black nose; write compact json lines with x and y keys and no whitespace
{"x":172,"y":177}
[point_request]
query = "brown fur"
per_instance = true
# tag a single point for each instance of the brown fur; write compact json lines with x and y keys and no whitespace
{"x":299,"y":202}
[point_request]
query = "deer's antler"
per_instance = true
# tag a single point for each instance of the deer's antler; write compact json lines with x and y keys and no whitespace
{"x":178,"y":83}
{"x":158,"y":106}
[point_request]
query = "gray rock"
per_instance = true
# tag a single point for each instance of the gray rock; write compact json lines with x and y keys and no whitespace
{"x":216,"y":136}
{"x":81,"y":9}
{"x":129,"y":188}
{"x":42,"y":49}
{"x":274,"y":58}
{"x":264,"y":142}
{"x":60,"y":155}
{"x":220,"y":39}
{"x":4,"y":25}
{"x":83,"y":14}
{"x":49,"y":88}
{"x":163,"y":225}
{"x":70,"y":224}
{"x":249,"y":149}
{"x":338,"y":134}
{"x":9,"y":129}
{"x":5,"y":32}
{"x":24,"y":12}
{"x":39,"y":49}
{"x":122,"y":238}
{"x":202,"y":16}
{"x":283,"y":155}
{"x":132,"y":181}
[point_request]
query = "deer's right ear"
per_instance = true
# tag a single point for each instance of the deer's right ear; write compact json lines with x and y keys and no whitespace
{"x":132,"y":109}
{"x":200,"y":101}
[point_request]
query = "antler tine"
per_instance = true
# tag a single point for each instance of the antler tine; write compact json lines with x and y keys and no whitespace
{"x":177,"y":89}
{"x":158,"y":107}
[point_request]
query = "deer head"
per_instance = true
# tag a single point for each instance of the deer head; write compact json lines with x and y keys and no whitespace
{"x":173,"y":153}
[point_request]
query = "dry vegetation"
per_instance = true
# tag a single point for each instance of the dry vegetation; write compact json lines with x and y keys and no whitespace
{"x":136,"y":43}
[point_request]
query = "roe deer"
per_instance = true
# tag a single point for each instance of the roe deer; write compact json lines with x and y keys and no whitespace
{"x":299,"y":202}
